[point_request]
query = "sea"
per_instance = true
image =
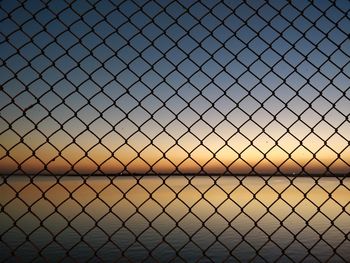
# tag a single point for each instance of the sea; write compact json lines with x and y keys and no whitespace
{"x":143,"y":218}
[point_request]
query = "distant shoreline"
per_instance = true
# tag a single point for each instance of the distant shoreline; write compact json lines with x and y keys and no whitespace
{"x":176,"y":175}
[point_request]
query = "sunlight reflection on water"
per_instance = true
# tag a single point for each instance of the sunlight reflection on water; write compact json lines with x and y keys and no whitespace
{"x":160,"y":218}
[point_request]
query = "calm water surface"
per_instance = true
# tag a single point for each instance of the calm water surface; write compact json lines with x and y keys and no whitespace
{"x":151,"y":218}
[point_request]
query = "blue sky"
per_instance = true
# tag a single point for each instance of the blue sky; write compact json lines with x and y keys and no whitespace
{"x":153,"y":86}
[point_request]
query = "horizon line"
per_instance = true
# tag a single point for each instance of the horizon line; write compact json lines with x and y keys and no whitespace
{"x":184,"y":174}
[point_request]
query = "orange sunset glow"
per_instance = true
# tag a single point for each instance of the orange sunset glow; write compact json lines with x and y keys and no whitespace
{"x":236,"y":156}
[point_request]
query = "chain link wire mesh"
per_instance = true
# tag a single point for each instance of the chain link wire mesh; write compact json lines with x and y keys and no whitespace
{"x":111,"y":110}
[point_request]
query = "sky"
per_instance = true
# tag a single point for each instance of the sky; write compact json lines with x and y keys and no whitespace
{"x":174,"y":87}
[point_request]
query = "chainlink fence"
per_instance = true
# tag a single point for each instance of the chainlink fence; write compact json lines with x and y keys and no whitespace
{"x":119,"y":120}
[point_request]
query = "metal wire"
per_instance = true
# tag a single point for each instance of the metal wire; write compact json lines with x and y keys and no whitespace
{"x":160,"y":91}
